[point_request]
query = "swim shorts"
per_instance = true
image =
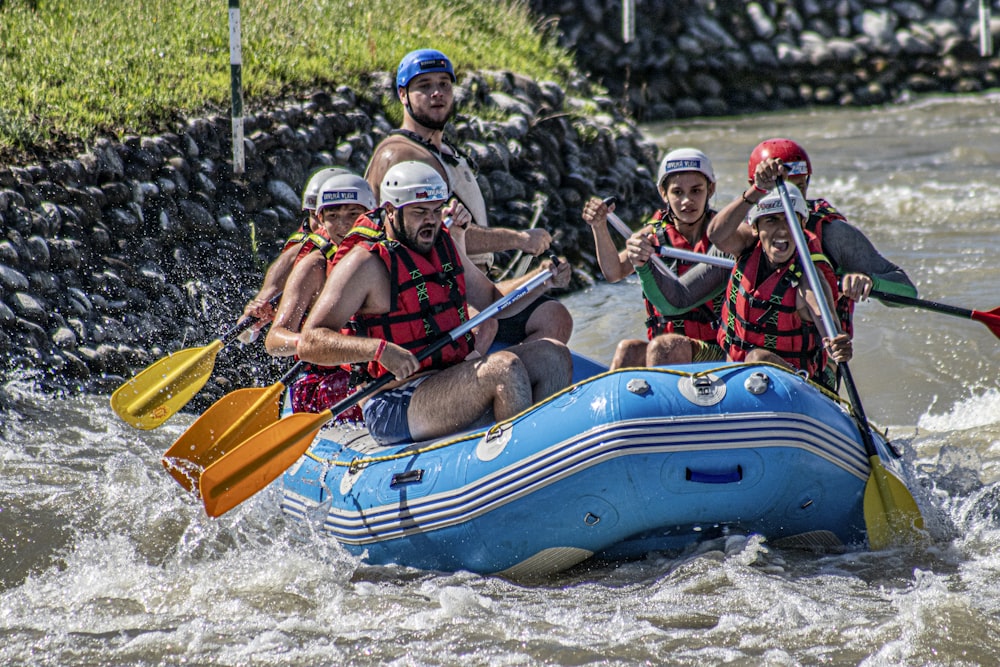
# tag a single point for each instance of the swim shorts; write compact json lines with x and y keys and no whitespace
{"x":385,"y":413}
{"x":511,"y":329}
{"x":704,"y":351}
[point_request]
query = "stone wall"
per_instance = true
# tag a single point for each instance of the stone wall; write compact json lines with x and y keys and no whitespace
{"x":720,"y":57}
{"x":143,"y":246}
{"x":146,"y":245}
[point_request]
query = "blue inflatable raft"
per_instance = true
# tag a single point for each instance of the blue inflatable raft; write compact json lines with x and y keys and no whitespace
{"x":618,"y":465}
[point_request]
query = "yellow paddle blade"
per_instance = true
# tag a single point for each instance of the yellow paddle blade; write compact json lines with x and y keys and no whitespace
{"x":157,"y":393}
{"x":231,"y":420}
{"x":256,"y":462}
{"x":891,"y":514}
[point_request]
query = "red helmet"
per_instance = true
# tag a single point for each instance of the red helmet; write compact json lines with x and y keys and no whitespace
{"x":794,"y":156}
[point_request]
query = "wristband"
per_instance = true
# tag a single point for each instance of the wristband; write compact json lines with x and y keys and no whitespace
{"x":759,"y":189}
{"x":380,"y":349}
{"x":746,"y":201}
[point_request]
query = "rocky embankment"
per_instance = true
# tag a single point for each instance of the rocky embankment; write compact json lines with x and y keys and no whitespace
{"x":721,"y":57}
{"x":146,"y":245}
{"x":113,"y":258}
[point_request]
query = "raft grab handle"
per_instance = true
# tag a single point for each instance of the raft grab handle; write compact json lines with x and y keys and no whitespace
{"x":701,"y":477}
{"x":408,"y":477}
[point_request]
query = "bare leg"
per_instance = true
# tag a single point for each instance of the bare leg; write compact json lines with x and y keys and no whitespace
{"x":759,"y":354}
{"x":485,"y":333}
{"x":549,"y":365}
{"x":669,"y":348}
{"x":550,"y":320}
{"x":630,"y":353}
{"x":458,"y":396}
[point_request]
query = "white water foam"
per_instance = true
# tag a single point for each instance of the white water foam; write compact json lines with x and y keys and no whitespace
{"x":976,"y":412}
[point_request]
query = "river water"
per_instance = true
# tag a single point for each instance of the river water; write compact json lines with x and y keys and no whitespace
{"x":103,"y":560}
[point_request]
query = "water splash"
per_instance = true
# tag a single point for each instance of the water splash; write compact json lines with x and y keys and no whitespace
{"x":976,"y":412}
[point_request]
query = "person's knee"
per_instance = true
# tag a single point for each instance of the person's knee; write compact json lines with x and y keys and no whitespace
{"x":758,"y":355}
{"x":547,"y":360}
{"x":630,"y":346}
{"x":506,"y":379}
{"x":550,"y":320}
{"x":485,"y":334}
{"x":561,"y":359}
{"x":669,"y":349}
{"x":502,"y":366}
{"x":565,"y":358}
{"x":630,"y":353}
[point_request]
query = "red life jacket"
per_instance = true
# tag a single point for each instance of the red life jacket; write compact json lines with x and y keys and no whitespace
{"x":308,"y":240}
{"x":368,"y":228}
{"x":761,"y":312}
{"x":321,"y":387}
{"x":821,"y":212}
{"x":298,"y":236}
{"x":700,"y":323}
{"x":427,"y":301}
{"x":317,"y":241}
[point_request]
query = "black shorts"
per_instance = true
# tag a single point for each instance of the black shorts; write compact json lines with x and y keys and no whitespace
{"x":511,"y":329}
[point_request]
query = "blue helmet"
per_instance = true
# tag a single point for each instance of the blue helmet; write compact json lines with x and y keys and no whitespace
{"x":420,"y":62}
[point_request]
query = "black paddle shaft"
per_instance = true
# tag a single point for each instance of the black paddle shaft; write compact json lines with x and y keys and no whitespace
{"x":921,"y":303}
{"x":245,"y":323}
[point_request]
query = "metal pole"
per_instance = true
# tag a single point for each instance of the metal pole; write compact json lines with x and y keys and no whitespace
{"x":628,"y":20}
{"x":236,"y":81}
{"x":985,"y":33}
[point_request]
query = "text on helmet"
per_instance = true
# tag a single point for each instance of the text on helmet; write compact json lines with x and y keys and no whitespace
{"x":435,"y":193}
{"x":799,"y":168}
{"x":438,"y":63}
{"x":341,"y":195}
{"x":674,"y":165}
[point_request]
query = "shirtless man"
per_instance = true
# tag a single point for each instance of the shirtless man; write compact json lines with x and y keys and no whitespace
{"x":341,"y":200}
{"x":424,"y":84}
{"x":259,"y":307}
{"x":435,"y":284}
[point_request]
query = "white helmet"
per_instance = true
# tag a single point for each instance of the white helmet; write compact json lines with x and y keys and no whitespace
{"x":771,"y":204}
{"x":315,"y":181}
{"x":345,"y":189}
{"x":411,"y":182}
{"x":685,"y":159}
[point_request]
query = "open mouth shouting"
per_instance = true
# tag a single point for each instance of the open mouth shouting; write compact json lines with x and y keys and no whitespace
{"x":775,"y":239}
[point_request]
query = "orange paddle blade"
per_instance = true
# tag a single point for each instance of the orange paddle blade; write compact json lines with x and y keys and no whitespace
{"x":256,"y":462}
{"x":230,"y":421}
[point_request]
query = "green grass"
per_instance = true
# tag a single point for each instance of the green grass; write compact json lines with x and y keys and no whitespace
{"x":73,"y":70}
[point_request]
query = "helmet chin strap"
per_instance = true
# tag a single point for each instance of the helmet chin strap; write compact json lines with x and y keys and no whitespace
{"x":423,"y":120}
{"x":392,"y":216}
{"x":399,"y":228}
{"x":674,"y":219}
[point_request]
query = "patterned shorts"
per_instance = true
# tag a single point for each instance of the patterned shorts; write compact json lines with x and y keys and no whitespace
{"x":705,"y":351}
{"x":321,"y":390}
